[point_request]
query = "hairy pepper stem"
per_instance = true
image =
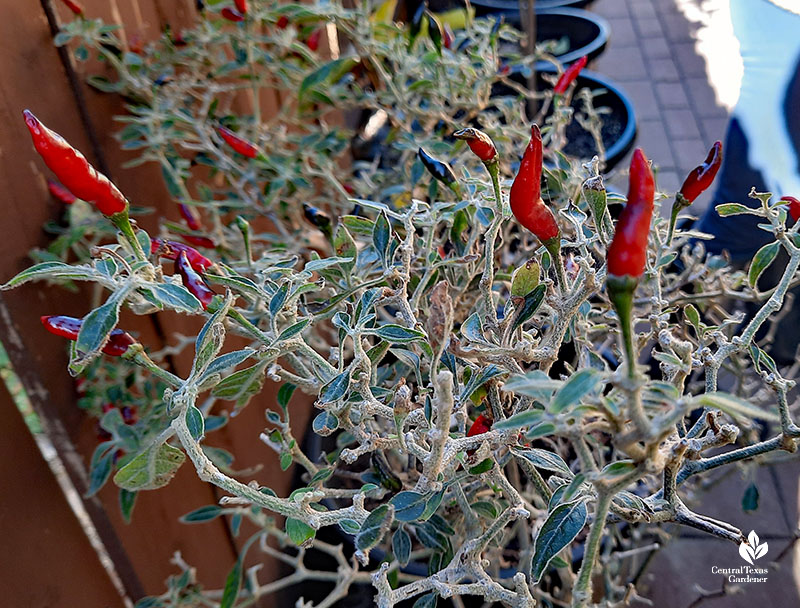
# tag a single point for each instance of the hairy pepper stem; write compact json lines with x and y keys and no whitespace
{"x":620,"y":292}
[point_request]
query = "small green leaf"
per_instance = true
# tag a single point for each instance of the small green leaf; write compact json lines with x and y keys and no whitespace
{"x":428,"y":600}
{"x":542,"y":459}
{"x":286,"y":460}
{"x":518,"y":420}
{"x":100,"y":471}
{"x":381,"y":237}
{"x":485,"y":509}
{"x":97,"y":326}
{"x":401,"y":546}
{"x":374,"y":527}
{"x":285,"y":393}
{"x":336,"y":388}
{"x":293,"y":330}
{"x":174,"y":297}
{"x":202,"y":514}
{"x":525,"y":279}
{"x":397,"y":334}
{"x":761,"y":261}
{"x":750,"y":498}
{"x":482,"y":467}
{"x":408,"y":505}
{"x":127,"y":500}
{"x":727,"y":209}
{"x":530,"y":304}
{"x":151,"y":469}
{"x":577,"y":386}
{"x":195,"y":422}
{"x":733,"y":406}
{"x":325,"y":423}
{"x":278,"y":299}
{"x":232,"y":584}
{"x":559,"y":529}
{"x":299,"y":532}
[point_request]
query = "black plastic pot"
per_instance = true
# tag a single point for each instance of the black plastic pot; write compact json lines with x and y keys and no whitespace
{"x":587,"y":33}
{"x":619,"y":125}
{"x":490,"y":7}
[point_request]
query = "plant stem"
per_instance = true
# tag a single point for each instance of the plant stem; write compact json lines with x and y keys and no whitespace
{"x":581,"y":594}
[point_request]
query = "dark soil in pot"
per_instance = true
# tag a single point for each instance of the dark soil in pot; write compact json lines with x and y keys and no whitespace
{"x":489,"y":7}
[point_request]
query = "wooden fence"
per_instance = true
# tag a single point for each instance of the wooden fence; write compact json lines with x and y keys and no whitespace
{"x":46,"y":559}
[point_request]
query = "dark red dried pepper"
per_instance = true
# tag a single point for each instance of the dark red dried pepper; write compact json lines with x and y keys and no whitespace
{"x":172,"y":249}
{"x":239,"y":144}
{"x":198,"y":241}
{"x":231,"y":14}
{"x":70,"y":327}
{"x":60,"y":193}
{"x":193,"y":281}
{"x":282,"y":22}
{"x":312,"y":42}
{"x":440,"y":170}
{"x":190,"y":216}
{"x":73,"y":170}
{"x":569,"y":75}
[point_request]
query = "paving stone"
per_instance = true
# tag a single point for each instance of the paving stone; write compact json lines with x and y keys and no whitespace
{"x":688,"y":61}
{"x":714,"y":128}
{"x":652,"y":138}
{"x":677,"y":28}
{"x":703,"y":98}
{"x":643,"y":9}
{"x":622,"y":63}
{"x":663,"y":70}
{"x":648,"y":27}
{"x":681,"y":124}
{"x":622,"y":32}
{"x":689,"y":152}
{"x":643,"y":98}
{"x":656,"y":47}
{"x":611,"y":8}
{"x":671,"y":95}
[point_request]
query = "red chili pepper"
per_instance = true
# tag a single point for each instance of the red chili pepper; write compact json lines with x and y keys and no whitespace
{"x":231,"y":14}
{"x":449,"y":36}
{"x":482,"y":424}
{"x":73,"y":170}
{"x":60,"y":193}
{"x":190,"y":215}
{"x":525,"y":197}
{"x":198,"y":241}
{"x":172,"y":249}
{"x":627,"y":253}
{"x":700,"y":178}
{"x":241,"y":6}
{"x":313,"y":39}
{"x":73,"y":6}
{"x":794,"y":206}
{"x":193,"y":281}
{"x":239,"y":144}
{"x":569,"y":75}
{"x":282,"y":22}
{"x":481,"y":144}
{"x":70,"y":327}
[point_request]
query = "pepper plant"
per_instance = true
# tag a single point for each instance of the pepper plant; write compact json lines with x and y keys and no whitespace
{"x":509,"y":384}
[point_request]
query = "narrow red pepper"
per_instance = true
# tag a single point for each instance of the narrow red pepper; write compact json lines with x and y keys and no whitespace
{"x":73,"y":6}
{"x":239,"y":144}
{"x":193,"y":281}
{"x":569,"y":75}
{"x":700,"y":178}
{"x":481,"y":425}
{"x":172,"y":249}
{"x":794,"y":206}
{"x":190,"y":216}
{"x":199,"y":241}
{"x":231,"y":14}
{"x":60,"y":193}
{"x":241,"y":6}
{"x":481,"y":144}
{"x":697,"y":182}
{"x":525,"y":197}
{"x":312,"y":42}
{"x":70,"y":327}
{"x":282,"y":23}
{"x":627,"y":253}
{"x":73,"y":170}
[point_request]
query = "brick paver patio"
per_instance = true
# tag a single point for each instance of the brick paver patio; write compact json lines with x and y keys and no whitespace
{"x":653,"y":55}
